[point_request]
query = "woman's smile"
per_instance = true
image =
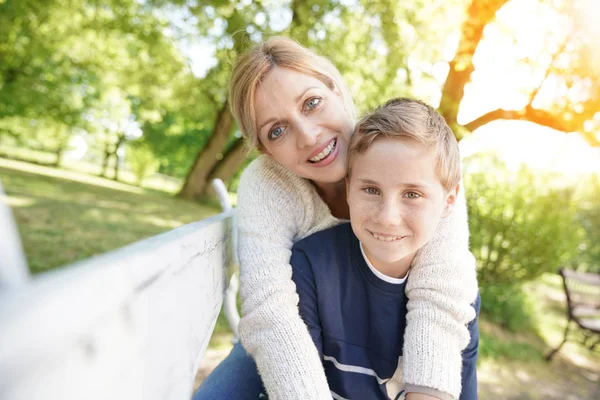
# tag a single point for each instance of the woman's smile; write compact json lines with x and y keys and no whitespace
{"x":325,"y":154}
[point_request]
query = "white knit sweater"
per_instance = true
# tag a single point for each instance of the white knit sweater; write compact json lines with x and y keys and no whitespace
{"x":277,"y":208}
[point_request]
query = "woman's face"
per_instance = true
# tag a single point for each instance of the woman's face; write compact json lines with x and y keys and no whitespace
{"x":303,"y":125}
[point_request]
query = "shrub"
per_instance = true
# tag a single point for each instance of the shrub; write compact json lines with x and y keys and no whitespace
{"x":508,"y":306}
{"x":521,"y":225}
{"x":587,"y":257}
{"x":141,"y":160}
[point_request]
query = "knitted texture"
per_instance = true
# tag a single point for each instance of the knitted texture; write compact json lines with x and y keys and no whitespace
{"x":277,"y":208}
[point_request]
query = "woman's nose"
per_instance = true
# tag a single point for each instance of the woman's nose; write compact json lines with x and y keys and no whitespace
{"x":307,"y":134}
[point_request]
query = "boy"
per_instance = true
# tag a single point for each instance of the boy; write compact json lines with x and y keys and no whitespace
{"x":403,"y":178}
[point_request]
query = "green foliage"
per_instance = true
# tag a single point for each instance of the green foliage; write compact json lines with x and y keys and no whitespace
{"x":60,"y":75}
{"x":508,"y":306}
{"x":141,"y":160}
{"x":496,"y":348}
{"x":587,"y":257}
{"x":521,"y":224}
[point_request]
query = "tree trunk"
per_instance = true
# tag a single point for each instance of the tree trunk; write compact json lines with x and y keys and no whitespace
{"x":480,"y":13}
{"x":60,"y":149}
{"x":208,"y":158}
{"x":227,"y":167}
{"x":59,"y":154}
{"x":120,"y":140}
{"x":105,"y":160}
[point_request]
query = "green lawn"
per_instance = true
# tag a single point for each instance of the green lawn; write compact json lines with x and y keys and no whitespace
{"x":64,"y":216}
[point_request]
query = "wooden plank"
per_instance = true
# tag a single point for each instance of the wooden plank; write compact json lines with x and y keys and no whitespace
{"x":130,"y":324}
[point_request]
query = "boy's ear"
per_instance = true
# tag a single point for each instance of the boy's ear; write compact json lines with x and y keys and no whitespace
{"x":450,"y":200}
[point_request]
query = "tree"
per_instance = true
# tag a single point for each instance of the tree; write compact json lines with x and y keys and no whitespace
{"x":60,"y":72}
{"x":565,"y":65}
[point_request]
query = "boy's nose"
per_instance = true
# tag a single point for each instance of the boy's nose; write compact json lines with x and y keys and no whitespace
{"x":389,"y":214}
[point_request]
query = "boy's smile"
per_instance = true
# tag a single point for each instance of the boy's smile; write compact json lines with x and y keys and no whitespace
{"x":396,"y":201}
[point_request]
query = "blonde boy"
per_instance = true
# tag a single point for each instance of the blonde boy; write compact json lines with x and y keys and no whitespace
{"x":403,"y":179}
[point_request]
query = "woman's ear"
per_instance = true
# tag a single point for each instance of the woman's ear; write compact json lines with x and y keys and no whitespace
{"x":450,"y":200}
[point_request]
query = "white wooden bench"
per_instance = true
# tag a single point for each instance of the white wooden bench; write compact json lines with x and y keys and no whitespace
{"x":130,"y":324}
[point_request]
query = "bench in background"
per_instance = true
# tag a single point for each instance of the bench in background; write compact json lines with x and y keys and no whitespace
{"x":583,"y":306}
{"x":130,"y":324}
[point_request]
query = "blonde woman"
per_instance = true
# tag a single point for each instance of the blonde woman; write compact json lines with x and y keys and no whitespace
{"x":294,"y":107}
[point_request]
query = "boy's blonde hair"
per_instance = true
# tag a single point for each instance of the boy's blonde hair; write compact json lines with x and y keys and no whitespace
{"x":407,"y":118}
{"x":254,"y":65}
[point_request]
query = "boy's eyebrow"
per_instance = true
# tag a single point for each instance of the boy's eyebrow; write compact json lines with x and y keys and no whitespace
{"x":369,"y":181}
{"x":409,"y":184}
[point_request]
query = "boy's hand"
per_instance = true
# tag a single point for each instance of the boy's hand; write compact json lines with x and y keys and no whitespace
{"x":420,"y":396}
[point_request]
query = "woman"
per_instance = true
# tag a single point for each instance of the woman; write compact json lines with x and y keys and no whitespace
{"x":294,"y":107}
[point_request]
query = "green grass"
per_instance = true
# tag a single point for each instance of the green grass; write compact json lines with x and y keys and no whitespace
{"x":155,"y":182}
{"x":64,"y":216}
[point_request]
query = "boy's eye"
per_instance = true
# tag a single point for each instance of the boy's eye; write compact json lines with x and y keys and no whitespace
{"x":371,"y":190}
{"x":275,"y":133}
{"x":412,"y":195}
{"x":313,"y":103}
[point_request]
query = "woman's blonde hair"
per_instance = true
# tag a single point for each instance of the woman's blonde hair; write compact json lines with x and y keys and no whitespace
{"x":252,"y":67}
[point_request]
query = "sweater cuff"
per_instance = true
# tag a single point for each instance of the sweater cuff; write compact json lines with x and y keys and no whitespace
{"x":428,"y":391}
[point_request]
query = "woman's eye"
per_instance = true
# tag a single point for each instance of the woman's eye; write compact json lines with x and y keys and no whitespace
{"x":412,"y":195}
{"x":371,"y":190}
{"x":275,"y":133}
{"x":313,"y":102}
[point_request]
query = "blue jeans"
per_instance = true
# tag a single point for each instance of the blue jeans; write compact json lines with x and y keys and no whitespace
{"x":236,"y":378}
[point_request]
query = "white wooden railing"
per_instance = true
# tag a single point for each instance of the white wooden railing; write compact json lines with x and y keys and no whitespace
{"x":130,"y":324}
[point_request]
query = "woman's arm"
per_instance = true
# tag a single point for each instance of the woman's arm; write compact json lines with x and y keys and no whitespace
{"x":441,"y":289}
{"x":268,"y":215}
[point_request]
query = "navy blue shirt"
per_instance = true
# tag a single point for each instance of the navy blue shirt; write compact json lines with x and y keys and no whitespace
{"x":356,"y":319}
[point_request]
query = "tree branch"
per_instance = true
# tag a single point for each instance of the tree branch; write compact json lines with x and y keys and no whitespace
{"x":540,"y":117}
{"x":550,"y":68}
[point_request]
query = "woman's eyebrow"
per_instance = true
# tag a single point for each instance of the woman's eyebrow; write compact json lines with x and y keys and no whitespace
{"x":266,"y":123}
{"x":303,"y":93}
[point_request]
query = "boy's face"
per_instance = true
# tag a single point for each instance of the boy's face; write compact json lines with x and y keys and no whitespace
{"x":396,"y":200}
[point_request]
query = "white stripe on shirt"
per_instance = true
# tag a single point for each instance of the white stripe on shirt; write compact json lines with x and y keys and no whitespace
{"x":354,"y":368}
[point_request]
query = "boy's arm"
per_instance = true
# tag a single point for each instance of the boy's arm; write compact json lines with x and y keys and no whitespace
{"x":303,"y":277}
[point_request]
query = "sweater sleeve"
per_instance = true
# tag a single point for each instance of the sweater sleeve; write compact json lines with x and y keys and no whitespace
{"x":440,"y":291}
{"x":271,"y":330}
